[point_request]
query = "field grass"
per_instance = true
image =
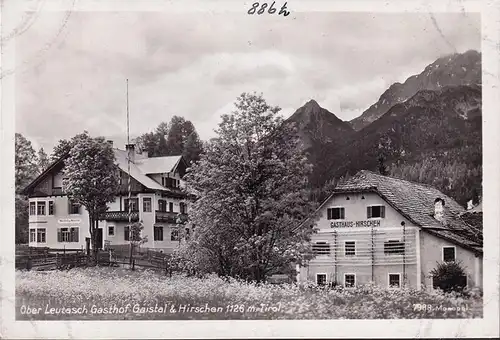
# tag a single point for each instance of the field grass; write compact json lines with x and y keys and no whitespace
{"x":116,"y":294}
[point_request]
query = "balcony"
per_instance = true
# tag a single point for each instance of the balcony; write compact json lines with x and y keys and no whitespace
{"x":169,"y":217}
{"x":120,"y":216}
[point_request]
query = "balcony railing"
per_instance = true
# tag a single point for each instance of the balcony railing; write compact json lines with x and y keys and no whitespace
{"x":120,"y":216}
{"x":169,"y":217}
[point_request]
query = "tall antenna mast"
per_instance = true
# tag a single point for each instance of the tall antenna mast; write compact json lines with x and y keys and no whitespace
{"x":129,"y":182}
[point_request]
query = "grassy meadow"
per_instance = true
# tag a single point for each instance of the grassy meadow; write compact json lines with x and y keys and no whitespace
{"x":99,"y":293}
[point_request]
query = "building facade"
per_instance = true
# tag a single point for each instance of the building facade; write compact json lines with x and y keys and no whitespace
{"x":391,"y":232}
{"x":157,"y":200}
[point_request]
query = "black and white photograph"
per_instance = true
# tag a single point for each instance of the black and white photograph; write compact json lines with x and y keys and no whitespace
{"x":249,"y":161}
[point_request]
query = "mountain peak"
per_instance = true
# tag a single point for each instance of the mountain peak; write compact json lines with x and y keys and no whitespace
{"x":450,"y":70}
{"x":312,"y":103}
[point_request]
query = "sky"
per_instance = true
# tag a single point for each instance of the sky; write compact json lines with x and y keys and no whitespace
{"x":71,"y":74}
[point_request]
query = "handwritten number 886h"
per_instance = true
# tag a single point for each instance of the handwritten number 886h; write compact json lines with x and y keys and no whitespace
{"x":270,"y":9}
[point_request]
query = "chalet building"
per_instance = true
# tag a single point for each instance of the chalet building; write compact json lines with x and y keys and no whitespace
{"x":391,"y":232}
{"x":156,"y":199}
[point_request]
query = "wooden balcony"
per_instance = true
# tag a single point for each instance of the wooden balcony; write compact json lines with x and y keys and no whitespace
{"x":169,"y":217}
{"x":120,"y":216}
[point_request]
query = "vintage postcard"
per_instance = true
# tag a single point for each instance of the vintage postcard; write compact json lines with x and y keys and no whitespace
{"x":249,"y":169}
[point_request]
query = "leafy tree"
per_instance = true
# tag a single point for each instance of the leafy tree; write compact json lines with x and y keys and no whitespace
{"x":62,"y":148}
{"x":26,"y":168}
{"x":43,"y":160}
{"x":25,"y":171}
{"x":22,"y":220}
{"x":251,"y":183}
{"x":382,"y":169}
{"x":91,"y":178}
{"x":449,"y":276}
{"x":179,"y":130}
{"x":162,"y":148}
{"x":148,"y":142}
{"x":193,"y":148}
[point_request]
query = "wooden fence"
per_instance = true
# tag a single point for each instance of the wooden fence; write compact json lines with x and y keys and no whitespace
{"x":37,"y":258}
{"x":49,"y":258}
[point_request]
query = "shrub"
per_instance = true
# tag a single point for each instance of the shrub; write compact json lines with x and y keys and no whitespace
{"x":450,"y":277}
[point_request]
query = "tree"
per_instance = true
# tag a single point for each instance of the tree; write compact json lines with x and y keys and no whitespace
{"x":251,"y":183}
{"x":148,"y":142}
{"x":91,"y":178}
{"x":25,"y":162}
{"x":178,"y":131}
{"x":193,"y":148}
{"x":61,"y":149}
{"x":382,"y":169}
{"x":449,"y":276}
{"x":43,"y":160}
{"x":25,"y":172}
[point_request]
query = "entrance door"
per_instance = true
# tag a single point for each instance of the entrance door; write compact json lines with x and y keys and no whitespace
{"x":99,"y":238}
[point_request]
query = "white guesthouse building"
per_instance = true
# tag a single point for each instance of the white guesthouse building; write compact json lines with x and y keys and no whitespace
{"x":157,"y":200}
{"x":388,"y":231}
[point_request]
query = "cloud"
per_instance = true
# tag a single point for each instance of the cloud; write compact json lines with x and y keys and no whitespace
{"x":195,"y":65}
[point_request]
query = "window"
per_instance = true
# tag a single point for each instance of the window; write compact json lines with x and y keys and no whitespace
{"x":126,"y":233}
{"x":394,"y":247}
{"x":40,"y":208}
{"x":32,"y":235}
{"x":67,"y":234}
{"x":146,"y":204}
{"x":169,"y":182}
{"x":170,"y":206}
{"x":51,"y":208}
{"x":73,"y":208}
{"x":174,"y":234}
{"x":74,"y":234}
{"x":375,"y":211}
{"x":182,"y":207}
{"x":134,"y":206}
{"x":336,"y":213}
{"x":321,"y":279}
{"x":111,"y":230}
{"x":395,"y":280}
{"x":158,"y":233}
{"x":448,"y":254}
{"x":32,"y":208}
{"x":40,"y":235}
{"x":350,"y":248}
{"x":162,"y":205}
{"x":321,"y":248}
{"x":349,"y":280}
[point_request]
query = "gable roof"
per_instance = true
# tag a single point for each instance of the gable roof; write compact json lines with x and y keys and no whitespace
{"x":156,"y":165}
{"x":415,"y":201}
{"x":138,"y":169}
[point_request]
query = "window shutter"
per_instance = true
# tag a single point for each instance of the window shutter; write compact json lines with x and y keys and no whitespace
{"x":342,"y":213}
{"x":329,"y":213}
{"x":76,"y":235}
{"x":53,"y":208}
{"x":59,"y":236}
{"x":382,"y":211}
{"x":69,"y":206}
{"x":368,"y":212}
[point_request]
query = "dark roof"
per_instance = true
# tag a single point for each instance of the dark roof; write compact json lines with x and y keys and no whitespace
{"x":415,"y":201}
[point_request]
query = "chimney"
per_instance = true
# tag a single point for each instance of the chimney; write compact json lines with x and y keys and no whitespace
{"x":439,"y":210}
{"x":130,"y":148}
